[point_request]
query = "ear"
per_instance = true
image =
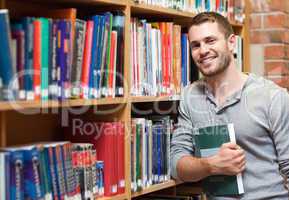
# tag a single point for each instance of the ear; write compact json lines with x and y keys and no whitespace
{"x":231,"y":42}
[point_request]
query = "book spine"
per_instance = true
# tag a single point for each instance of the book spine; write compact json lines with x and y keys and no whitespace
{"x":78,"y":46}
{"x":37,"y":58}
{"x":6,"y":68}
{"x":16,"y":182}
{"x":53,"y":68}
{"x":86,"y":60}
{"x":44,"y":43}
{"x":28,"y":60}
{"x":32,"y":180}
{"x":118,"y":25}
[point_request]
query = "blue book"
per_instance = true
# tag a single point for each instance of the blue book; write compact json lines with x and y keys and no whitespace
{"x":58,"y":169}
{"x":44,"y":172}
{"x":14,"y":168}
{"x":63,"y":27}
{"x":100,"y":60}
{"x":51,"y":170}
{"x":155,"y":156}
{"x":159,"y":152}
{"x":27,"y":23}
{"x":207,"y":5}
{"x":53,"y":67}
{"x":33,"y":188}
{"x":94,"y":52}
{"x":99,"y":177}
{"x":184,"y":39}
{"x":6,"y":68}
{"x":60,"y":62}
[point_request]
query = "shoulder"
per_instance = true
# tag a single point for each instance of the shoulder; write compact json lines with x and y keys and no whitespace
{"x":262,"y":88}
{"x":193,"y":91}
{"x":197,"y":87}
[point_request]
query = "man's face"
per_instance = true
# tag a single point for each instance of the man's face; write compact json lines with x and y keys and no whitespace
{"x":209,"y":48}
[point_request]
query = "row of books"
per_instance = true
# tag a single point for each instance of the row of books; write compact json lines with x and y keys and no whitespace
{"x":233,"y":9}
{"x":108,"y":140}
{"x":150,"y":151}
{"x":160,"y":59}
{"x":57,"y":56}
{"x":50,"y":171}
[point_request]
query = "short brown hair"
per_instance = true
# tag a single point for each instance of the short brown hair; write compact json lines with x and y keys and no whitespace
{"x":222,"y":22}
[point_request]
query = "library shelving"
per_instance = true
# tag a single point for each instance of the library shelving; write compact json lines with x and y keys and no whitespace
{"x":31,"y":121}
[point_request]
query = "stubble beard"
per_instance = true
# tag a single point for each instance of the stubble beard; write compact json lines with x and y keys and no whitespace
{"x":224,"y":61}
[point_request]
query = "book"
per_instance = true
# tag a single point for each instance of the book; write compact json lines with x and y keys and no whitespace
{"x":6,"y":67}
{"x":208,"y":141}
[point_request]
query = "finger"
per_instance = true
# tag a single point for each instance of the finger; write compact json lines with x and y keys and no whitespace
{"x":230,"y":145}
{"x":242,"y":165}
{"x":242,"y":168}
{"x":240,"y":152}
{"x":240,"y":159}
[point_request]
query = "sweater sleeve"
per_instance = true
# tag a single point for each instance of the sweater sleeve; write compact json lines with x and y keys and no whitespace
{"x":181,"y":143}
{"x":279,"y":126}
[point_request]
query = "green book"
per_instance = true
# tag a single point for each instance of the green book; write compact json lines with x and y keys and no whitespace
{"x":44,"y":56}
{"x":208,"y":141}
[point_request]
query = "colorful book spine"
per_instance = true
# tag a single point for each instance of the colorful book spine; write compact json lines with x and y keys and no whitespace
{"x":6,"y":68}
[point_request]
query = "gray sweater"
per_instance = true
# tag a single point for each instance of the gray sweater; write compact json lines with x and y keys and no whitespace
{"x":260,"y":114}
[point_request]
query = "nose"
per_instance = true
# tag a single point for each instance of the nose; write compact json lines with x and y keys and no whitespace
{"x":203,"y":49}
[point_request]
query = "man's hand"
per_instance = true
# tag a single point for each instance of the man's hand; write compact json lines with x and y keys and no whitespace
{"x":230,"y":160}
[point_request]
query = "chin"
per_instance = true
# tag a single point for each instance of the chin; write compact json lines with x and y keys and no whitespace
{"x":209,"y":71}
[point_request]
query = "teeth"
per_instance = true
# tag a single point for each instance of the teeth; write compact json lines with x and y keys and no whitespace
{"x":205,"y":60}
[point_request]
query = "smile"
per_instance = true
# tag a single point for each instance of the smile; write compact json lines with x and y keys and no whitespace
{"x":206,"y":60}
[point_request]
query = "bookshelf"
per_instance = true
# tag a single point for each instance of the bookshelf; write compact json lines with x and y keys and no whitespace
{"x":24,"y":122}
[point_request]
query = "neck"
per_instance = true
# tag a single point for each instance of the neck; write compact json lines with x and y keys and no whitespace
{"x":226,"y":83}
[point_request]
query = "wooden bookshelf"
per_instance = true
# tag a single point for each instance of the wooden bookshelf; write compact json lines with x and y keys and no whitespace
{"x":117,"y":197}
{"x":14,"y":127}
{"x":159,"y":11}
{"x":154,"y":188}
{"x":20,"y":105}
{"x":140,"y":99}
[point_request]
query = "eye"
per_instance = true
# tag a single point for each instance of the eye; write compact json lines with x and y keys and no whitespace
{"x":210,"y":40}
{"x":195,"y":45}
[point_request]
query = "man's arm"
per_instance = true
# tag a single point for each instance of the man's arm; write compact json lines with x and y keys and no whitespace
{"x":229,"y":160}
{"x":279,"y":126}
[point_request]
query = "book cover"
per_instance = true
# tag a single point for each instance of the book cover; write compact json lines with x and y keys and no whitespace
{"x":208,"y":141}
{"x":6,"y":68}
{"x":28,"y":27}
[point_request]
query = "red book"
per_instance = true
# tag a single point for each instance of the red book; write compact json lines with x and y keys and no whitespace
{"x":218,"y":5}
{"x":86,"y":59}
{"x":169,"y":32}
{"x":37,"y":58}
{"x":105,"y":148}
{"x":120,"y":157}
{"x":112,"y":67}
{"x":164,"y":56}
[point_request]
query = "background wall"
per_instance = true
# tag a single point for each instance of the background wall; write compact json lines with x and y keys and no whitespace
{"x":269,"y":37}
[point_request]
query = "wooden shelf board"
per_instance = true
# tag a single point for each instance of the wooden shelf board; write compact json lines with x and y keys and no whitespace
{"x":150,"y":9}
{"x":169,"y":12}
{"x":139,"y":99}
{"x":99,"y":2}
{"x":116,"y":197}
{"x":236,"y":24}
{"x":154,"y":188}
{"x":19,"y":105}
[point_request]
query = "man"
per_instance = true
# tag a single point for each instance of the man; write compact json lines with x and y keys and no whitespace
{"x":258,"y":108}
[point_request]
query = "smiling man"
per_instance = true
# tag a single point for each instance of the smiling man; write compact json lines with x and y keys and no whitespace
{"x":258,"y":108}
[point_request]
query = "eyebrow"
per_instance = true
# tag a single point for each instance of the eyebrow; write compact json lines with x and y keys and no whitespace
{"x":206,"y":38}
